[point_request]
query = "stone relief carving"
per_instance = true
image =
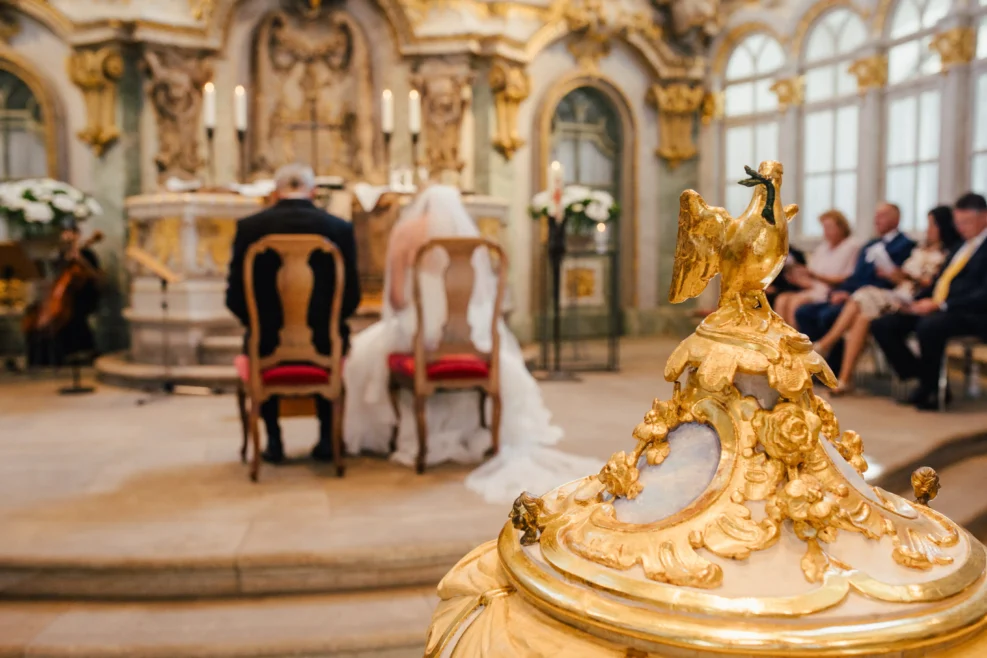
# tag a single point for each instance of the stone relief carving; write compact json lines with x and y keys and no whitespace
{"x":314,"y":94}
{"x":689,"y":25}
{"x":214,"y":245}
{"x":510,"y":85}
{"x":175,"y":82}
{"x":677,"y":106}
{"x":97,"y":73}
{"x":444,"y":89}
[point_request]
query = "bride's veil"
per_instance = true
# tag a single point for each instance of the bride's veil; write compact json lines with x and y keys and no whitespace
{"x":438,"y":212}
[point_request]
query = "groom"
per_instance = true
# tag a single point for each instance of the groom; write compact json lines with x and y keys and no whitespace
{"x":294,"y":213}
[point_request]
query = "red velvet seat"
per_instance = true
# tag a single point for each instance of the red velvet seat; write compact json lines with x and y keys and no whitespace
{"x":450,"y":366}
{"x":296,"y":374}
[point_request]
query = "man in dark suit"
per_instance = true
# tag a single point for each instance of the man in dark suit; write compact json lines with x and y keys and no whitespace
{"x":955,"y":305}
{"x":891,"y":246}
{"x":294,"y":213}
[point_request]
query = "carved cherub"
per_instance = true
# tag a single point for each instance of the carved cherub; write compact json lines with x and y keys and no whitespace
{"x":444,"y":105}
{"x":175,"y":89}
{"x":748,"y":251}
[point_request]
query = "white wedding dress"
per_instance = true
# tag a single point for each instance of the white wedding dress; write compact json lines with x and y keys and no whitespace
{"x":526,"y":461}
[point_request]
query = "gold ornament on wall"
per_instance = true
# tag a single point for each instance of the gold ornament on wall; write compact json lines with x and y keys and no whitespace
{"x":871,"y":72}
{"x":677,"y":106}
{"x":510,"y":86}
{"x":955,"y":47}
{"x":97,"y":73}
{"x":591,"y":32}
{"x":790,"y":92}
{"x":712,"y":107}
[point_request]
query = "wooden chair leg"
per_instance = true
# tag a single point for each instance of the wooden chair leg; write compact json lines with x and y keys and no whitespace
{"x":483,"y":408}
{"x":255,"y":436}
{"x":241,"y":398}
{"x":420,"y":401}
{"x":495,"y":423}
{"x":337,"y":434}
{"x":394,"y":394}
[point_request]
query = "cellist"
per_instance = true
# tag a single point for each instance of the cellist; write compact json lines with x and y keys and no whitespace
{"x":75,"y":336}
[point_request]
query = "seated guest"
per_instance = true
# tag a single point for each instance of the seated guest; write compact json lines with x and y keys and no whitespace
{"x":830,"y":264}
{"x":781,"y":285}
{"x":526,"y":461}
{"x":294,"y":213}
{"x":955,"y":305}
{"x":890,"y":249}
{"x":870,"y":302}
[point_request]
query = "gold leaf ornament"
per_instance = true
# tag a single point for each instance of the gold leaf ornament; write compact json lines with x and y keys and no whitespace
{"x":526,"y":517}
{"x":620,"y":476}
{"x":788,"y":433}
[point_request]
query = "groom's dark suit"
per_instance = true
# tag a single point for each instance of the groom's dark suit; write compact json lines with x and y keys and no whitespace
{"x":293,"y":216}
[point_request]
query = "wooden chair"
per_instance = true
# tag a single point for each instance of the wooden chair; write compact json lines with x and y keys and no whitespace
{"x":454,"y":364}
{"x":295,"y":369}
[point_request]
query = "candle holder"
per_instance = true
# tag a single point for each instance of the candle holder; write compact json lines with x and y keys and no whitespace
{"x":387,"y":155}
{"x":241,"y":140}
{"x":414,"y":149}
{"x":211,"y":153}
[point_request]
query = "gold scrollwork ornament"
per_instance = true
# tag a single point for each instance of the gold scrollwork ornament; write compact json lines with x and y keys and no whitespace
{"x":677,"y":105}
{"x":510,"y":86}
{"x":97,"y":73}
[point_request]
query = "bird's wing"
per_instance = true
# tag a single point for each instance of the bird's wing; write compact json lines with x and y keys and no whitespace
{"x":702,"y":235}
{"x":791,"y":211}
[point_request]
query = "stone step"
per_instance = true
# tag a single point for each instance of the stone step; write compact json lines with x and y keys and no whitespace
{"x":389,"y":624}
{"x":220,"y":350}
{"x":118,"y":370}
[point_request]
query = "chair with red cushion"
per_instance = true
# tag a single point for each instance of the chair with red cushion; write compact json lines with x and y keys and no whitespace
{"x":296,"y":368}
{"x":455,"y":364}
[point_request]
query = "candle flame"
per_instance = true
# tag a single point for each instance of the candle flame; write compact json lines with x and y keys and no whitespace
{"x":413,"y":93}
{"x":239,"y":91}
{"x":210,"y":87}
{"x":387,"y":93}
{"x":556,"y":165}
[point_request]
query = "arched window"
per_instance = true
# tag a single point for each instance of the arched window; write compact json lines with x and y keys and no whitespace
{"x":830,"y":119}
{"x":750,"y":122}
{"x":586,"y":140}
{"x":912,"y":128}
{"x":23,"y":134}
{"x":978,"y":80}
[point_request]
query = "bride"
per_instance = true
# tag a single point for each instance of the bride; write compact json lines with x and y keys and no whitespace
{"x":526,"y":462}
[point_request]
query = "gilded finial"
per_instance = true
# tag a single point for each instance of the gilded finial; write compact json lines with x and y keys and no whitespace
{"x":925,"y":484}
{"x":525,"y":517}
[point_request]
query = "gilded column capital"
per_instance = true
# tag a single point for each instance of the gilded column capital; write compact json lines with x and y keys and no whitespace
{"x":956,"y":46}
{"x":790,"y":92}
{"x":97,"y":72}
{"x":677,"y":104}
{"x":712,"y":107}
{"x":510,"y":85}
{"x":870,"y":72}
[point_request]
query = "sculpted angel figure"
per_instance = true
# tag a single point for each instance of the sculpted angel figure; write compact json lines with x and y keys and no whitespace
{"x":691,"y":24}
{"x":445,"y":106}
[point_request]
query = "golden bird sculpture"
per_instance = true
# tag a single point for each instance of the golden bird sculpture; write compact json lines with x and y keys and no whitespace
{"x":747,"y":251}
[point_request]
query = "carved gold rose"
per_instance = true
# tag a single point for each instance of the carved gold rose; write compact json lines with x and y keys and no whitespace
{"x":788,"y":433}
{"x":620,"y":476}
{"x":816,"y":516}
{"x":925,"y":484}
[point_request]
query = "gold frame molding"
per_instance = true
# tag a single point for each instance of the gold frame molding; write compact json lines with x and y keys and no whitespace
{"x":628,"y":267}
{"x":51,"y":108}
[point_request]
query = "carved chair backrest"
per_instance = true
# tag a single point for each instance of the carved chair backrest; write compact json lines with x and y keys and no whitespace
{"x":295,"y":280}
{"x":459,"y":278}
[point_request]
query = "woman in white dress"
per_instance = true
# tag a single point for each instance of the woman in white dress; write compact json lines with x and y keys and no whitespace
{"x":831,"y":263}
{"x":526,"y":462}
{"x":870,"y":302}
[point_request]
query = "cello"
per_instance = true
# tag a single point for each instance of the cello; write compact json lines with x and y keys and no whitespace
{"x":56,"y":310}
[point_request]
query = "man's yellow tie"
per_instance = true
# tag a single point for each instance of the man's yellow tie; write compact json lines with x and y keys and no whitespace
{"x":941,"y":291}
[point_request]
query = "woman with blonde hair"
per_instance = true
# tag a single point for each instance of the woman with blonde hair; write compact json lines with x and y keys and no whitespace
{"x":829,"y":265}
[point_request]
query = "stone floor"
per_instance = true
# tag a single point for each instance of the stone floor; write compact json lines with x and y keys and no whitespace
{"x":103,"y":499}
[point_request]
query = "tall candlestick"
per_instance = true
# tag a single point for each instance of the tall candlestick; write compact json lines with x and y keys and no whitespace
{"x":387,"y":112}
{"x":414,"y":112}
{"x":240,"y":108}
{"x":556,"y":181}
{"x":209,"y":105}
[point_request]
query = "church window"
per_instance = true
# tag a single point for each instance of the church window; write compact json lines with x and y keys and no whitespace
{"x":23,"y":137}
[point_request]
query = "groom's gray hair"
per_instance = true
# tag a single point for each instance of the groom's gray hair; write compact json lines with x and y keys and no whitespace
{"x":295,"y":180}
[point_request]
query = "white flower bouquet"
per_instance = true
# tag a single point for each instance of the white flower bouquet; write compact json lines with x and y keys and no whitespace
{"x":40,"y":206}
{"x":584,"y":207}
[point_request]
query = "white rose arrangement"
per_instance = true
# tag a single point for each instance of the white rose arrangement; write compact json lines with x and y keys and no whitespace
{"x":40,"y":205}
{"x":584,"y":207}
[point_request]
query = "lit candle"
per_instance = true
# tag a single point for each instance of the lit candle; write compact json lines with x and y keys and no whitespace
{"x":387,"y":112}
{"x":414,"y":112}
{"x":600,"y":238}
{"x":240,"y":108}
{"x":209,"y":105}
{"x":555,"y":185}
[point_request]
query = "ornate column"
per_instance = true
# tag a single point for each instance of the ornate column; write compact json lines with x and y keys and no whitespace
{"x":97,"y":72}
{"x":174,"y":88}
{"x":871,"y":72}
{"x":510,"y":85}
{"x":445,"y":87}
{"x":956,"y":48}
{"x":677,"y":105}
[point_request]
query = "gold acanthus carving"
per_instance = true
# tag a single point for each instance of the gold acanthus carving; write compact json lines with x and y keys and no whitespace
{"x":510,"y":85}
{"x":214,"y":244}
{"x":445,"y":93}
{"x":790,"y":92}
{"x":712,"y":107}
{"x":955,"y":47}
{"x":97,"y":73}
{"x":592,"y":29}
{"x":871,"y":72}
{"x":677,"y":106}
{"x":164,"y":241}
{"x":174,"y":86}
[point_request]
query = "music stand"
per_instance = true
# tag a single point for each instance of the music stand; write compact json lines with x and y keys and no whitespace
{"x":15,"y":265}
